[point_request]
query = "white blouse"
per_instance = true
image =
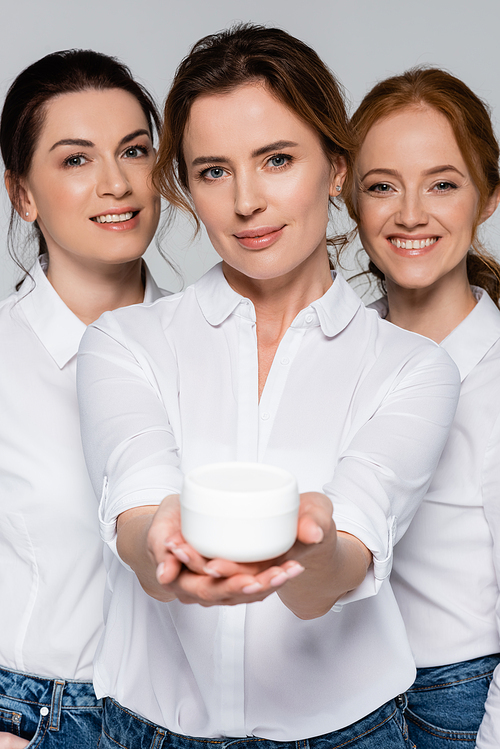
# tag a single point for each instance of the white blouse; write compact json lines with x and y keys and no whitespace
{"x":446,"y":574}
{"x":51,"y":570}
{"x":352,"y":406}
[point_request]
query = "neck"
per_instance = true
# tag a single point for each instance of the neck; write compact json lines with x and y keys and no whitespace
{"x":278,"y":301}
{"x":91,"y":288}
{"x":433,"y":311}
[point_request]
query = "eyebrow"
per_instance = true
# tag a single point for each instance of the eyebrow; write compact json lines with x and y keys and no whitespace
{"x":278,"y":145}
{"x":428,"y":172}
{"x":88,"y":143}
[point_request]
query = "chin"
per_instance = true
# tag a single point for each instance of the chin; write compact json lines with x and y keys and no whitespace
{"x":413,"y":284}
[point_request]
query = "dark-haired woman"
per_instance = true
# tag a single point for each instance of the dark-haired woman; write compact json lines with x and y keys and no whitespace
{"x":427,"y":177}
{"x":76,"y":138}
{"x":267,"y":358}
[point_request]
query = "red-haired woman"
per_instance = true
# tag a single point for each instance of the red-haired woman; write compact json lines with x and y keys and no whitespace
{"x":267,"y":358}
{"x":427,"y":176}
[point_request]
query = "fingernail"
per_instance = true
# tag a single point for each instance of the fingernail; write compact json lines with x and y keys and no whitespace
{"x":318,"y":535}
{"x":181,"y":556}
{"x":210,"y":571}
{"x":170,"y":545}
{"x":295,"y":571}
{"x":159,"y":571}
{"x":252,"y":588}
{"x":279,"y":579}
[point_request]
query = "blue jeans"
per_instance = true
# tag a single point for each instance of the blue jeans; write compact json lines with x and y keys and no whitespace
{"x":385,"y":728}
{"x":446,"y":703}
{"x":50,"y":713}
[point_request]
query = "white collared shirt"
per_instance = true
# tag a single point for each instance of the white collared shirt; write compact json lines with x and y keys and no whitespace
{"x":352,"y":406}
{"x":446,"y":574}
{"x":51,"y":571}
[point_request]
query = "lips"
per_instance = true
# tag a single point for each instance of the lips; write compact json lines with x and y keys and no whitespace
{"x":115,"y":219}
{"x":412,"y":246}
{"x":260,"y":237}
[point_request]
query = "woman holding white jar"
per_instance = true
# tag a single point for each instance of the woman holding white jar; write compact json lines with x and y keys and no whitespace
{"x":77,"y":142}
{"x":270,"y":358}
{"x":426,"y":178}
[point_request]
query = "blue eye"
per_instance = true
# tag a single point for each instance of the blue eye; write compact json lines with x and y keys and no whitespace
{"x":215,"y":172}
{"x":279,"y":160}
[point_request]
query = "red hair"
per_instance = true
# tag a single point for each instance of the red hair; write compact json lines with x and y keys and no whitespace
{"x":470,"y":121}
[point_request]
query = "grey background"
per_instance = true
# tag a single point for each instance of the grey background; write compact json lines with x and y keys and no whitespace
{"x":361,"y":40}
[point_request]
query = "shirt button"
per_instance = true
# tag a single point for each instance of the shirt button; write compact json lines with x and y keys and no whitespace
{"x":44,"y":711}
{"x":264,"y":416}
{"x":285,"y":360}
{"x":309,"y":319}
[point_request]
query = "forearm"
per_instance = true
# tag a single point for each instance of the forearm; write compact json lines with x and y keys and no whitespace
{"x":132,"y":545}
{"x":327,"y":578}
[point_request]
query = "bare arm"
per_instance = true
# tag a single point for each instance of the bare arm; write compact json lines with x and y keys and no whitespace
{"x":321,"y":566}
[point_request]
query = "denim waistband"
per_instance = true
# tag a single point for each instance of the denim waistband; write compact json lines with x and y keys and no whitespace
{"x":37,"y":690}
{"x":121,"y":724}
{"x":433,"y":676}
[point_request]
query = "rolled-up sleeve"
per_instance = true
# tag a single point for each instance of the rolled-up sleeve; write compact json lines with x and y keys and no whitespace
{"x":385,"y":471}
{"x":129,"y":446}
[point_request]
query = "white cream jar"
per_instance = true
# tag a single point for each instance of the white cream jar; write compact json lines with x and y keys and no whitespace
{"x":244,"y":512}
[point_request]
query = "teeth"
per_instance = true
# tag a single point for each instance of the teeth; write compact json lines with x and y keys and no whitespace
{"x":113,"y":218}
{"x":413,"y":244}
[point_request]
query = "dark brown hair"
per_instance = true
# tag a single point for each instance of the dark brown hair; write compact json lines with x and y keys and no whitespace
{"x":23,"y":114}
{"x":218,"y":63}
{"x":470,"y":120}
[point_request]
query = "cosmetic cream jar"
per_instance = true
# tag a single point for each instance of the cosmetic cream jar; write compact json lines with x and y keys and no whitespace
{"x":244,"y":512}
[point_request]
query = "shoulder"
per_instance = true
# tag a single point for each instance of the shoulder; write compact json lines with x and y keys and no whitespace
{"x":140,"y":326}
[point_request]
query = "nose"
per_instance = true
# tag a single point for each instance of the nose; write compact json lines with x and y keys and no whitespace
{"x":113,"y":180}
{"x":249,"y":195}
{"x":412,"y":211}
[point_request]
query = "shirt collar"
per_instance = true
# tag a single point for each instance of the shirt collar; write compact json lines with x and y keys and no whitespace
{"x":59,"y":330}
{"x":470,"y":341}
{"x":217,"y":299}
{"x":57,"y":327}
{"x":332,"y":312}
{"x":335,"y":309}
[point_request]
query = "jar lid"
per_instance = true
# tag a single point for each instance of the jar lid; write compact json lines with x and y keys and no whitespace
{"x":240,"y":489}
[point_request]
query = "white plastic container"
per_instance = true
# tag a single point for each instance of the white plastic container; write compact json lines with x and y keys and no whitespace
{"x":244,"y":512}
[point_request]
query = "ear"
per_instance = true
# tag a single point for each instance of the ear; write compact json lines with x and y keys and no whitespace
{"x":338,"y":175}
{"x":491,"y":205}
{"x":20,"y":197}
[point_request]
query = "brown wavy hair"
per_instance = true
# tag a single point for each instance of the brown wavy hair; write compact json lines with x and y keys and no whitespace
{"x":470,"y":120}
{"x":245,"y":53}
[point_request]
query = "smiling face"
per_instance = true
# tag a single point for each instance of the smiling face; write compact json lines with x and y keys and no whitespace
{"x":417,"y":203}
{"x":260,"y":182}
{"x":88,"y":185}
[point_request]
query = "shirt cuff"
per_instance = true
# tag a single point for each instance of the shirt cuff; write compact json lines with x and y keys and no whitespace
{"x":381,"y":567}
{"x":143,"y":488}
